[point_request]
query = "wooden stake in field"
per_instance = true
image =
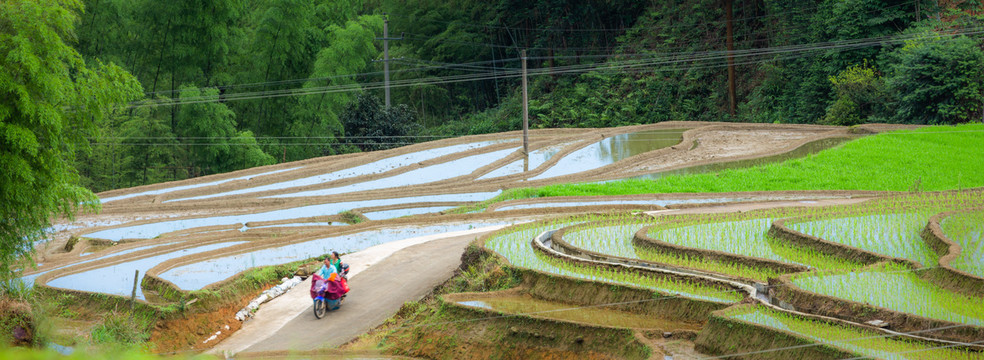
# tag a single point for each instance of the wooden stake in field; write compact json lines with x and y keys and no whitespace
{"x":526,"y":117}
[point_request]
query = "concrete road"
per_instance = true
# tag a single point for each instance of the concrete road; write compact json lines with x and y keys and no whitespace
{"x":377,"y":293}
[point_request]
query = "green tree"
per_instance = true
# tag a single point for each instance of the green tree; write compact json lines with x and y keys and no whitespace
{"x":937,"y":79}
{"x":149,"y":147}
{"x":373,"y":127}
{"x":860,"y":96}
{"x":49,"y":104}
{"x":207,"y":128}
{"x":350,"y":49}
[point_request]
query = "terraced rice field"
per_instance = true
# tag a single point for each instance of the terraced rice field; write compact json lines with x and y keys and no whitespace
{"x":967,"y":230}
{"x":746,"y":238}
{"x":895,"y":235}
{"x":293,"y":212}
{"x":865,"y":343}
{"x":897,"y":288}
{"x":514,"y":245}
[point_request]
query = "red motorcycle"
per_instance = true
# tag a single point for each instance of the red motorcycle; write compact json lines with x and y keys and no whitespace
{"x":328,"y":295}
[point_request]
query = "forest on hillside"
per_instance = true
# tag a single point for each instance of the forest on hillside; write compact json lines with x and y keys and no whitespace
{"x":223,"y":85}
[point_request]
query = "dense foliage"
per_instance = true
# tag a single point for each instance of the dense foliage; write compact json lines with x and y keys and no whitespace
{"x":50,"y":101}
{"x":283,"y":72}
{"x":235,"y":84}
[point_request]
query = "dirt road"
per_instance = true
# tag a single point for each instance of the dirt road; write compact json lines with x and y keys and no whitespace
{"x":377,"y":293}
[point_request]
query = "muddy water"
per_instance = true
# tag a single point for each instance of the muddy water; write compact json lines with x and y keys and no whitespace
{"x":611,"y":150}
{"x":195,"y":186}
{"x":809,"y":148}
{"x":438,"y":172}
{"x":198,"y":275}
{"x":118,"y":279}
{"x":374,"y":167}
{"x":146,"y":231}
{"x":527,"y":305}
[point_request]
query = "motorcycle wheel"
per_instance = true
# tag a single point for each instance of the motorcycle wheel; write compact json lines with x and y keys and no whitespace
{"x":319,"y":308}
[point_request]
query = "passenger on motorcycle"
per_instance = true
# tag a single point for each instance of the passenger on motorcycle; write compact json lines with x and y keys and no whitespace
{"x":336,"y":260}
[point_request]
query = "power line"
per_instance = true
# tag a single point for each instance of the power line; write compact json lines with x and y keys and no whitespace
{"x":623,"y":29}
{"x":686,"y":57}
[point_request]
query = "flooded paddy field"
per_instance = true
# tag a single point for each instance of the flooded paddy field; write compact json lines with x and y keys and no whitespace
{"x":269,"y":217}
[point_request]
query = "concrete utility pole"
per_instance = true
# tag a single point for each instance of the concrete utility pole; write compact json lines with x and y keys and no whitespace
{"x":526,"y":109}
{"x":386,"y":59}
{"x":386,"y":56}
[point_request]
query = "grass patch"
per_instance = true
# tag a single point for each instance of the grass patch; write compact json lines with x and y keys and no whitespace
{"x":927,"y":159}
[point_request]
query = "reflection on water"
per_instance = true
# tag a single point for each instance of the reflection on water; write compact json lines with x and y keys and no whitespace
{"x":198,"y":275}
{"x":147,"y":231}
{"x":194,"y":186}
{"x":29,"y":279}
{"x":536,"y":158}
{"x":809,"y":148}
{"x":391,"y":214}
{"x":375,"y":167}
{"x":118,"y":279}
{"x":442,"y":171}
{"x":611,"y":150}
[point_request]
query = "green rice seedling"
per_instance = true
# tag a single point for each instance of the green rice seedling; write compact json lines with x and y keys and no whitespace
{"x":759,"y":274}
{"x":664,"y":285}
{"x":513,"y":243}
{"x":747,"y":237}
{"x":897,"y":288}
{"x":967,"y":230}
{"x":859,"y":341}
{"x":612,"y":238}
{"x":617,"y":240}
{"x":895,"y":235}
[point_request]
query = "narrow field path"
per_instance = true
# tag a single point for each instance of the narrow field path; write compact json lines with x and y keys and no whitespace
{"x":377,"y":293}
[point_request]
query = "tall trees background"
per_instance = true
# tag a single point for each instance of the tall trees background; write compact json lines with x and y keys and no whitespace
{"x":104,"y":94}
{"x":234,"y":84}
{"x":51,"y":101}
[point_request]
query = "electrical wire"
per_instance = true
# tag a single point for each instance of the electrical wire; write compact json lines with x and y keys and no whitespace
{"x":693,"y":57}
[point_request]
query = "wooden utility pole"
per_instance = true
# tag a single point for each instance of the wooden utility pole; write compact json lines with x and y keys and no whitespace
{"x":526,"y":109}
{"x":732,"y":98}
{"x":133,"y":296}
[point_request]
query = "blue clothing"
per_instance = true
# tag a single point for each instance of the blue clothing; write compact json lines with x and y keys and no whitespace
{"x":326,"y":271}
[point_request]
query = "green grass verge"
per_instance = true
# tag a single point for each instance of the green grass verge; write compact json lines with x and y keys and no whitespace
{"x":928,"y":159}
